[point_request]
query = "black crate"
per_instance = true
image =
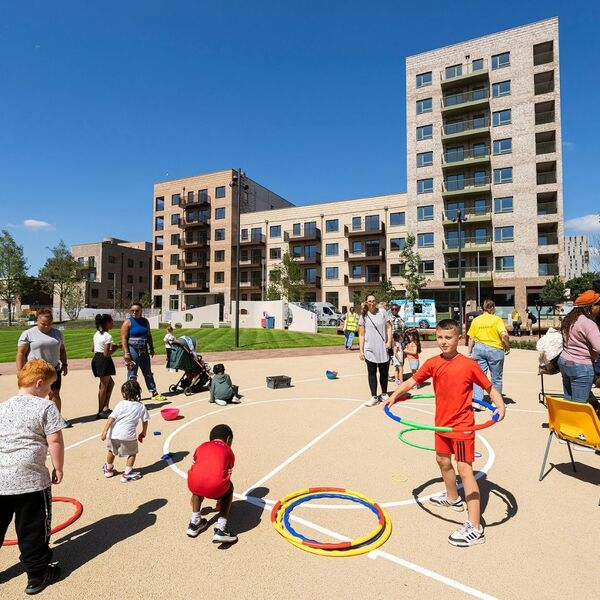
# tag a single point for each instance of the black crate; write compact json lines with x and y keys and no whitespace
{"x":278,"y":381}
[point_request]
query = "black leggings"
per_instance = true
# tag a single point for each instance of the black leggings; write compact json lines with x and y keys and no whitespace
{"x":383,"y":376}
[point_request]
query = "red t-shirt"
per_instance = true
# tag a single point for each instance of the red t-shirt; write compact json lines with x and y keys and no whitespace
{"x":453,"y":380}
{"x":208,"y":475}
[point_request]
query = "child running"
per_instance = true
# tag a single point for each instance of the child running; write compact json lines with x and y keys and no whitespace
{"x":222,"y":391}
{"x":453,"y":378}
{"x":168,"y":340}
{"x":210,"y":477}
{"x":398,"y":356}
{"x":103,"y":365}
{"x":120,"y":429}
{"x":30,"y":428}
{"x":412,"y":349}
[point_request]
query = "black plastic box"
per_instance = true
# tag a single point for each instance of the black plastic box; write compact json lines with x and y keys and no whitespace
{"x":278,"y":381}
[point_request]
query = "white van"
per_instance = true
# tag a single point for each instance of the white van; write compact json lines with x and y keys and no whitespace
{"x":327,"y":313}
{"x":423,"y":316}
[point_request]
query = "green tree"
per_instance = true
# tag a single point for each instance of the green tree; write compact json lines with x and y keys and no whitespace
{"x":13,"y":271}
{"x":553,"y":292}
{"x":385,"y":291}
{"x":74,"y":300}
{"x":286,"y":281}
{"x":415,"y":282}
{"x":60,"y":273}
{"x":146,"y":300}
{"x":578,"y":285}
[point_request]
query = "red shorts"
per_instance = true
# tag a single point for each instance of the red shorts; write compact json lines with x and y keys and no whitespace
{"x":213,"y":492}
{"x":463,"y":450}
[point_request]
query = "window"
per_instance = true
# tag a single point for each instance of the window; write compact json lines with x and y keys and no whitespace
{"x":220,"y":213}
{"x":130,"y":263}
{"x":504,"y":234}
{"x":219,"y":275}
{"x":332,"y":225}
{"x":173,"y":258}
{"x":424,"y":79}
{"x":275,"y":231}
{"x":332,"y":249}
{"x":94,"y":292}
{"x":219,"y":234}
{"x":110,"y":294}
{"x":219,"y":255}
{"x":502,"y":146}
{"x":426,"y":267}
{"x":296,"y":229}
{"x":372,"y":223}
{"x":203,"y":195}
{"x":424,"y":159}
{"x":310,"y":228}
{"x":275,"y":253}
{"x":425,"y":213}
{"x":505,"y":263}
{"x":501,"y":89}
{"x":499,"y":61}
{"x":501,"y":117}
{"x":397,"y":218}
{"x":111,"y":276}
{"x":175,"y":199}
{"x":356,"y":223}
{"x":425,"y":240}
{"x":159,"y":223}
{"x":332,"y":273}
{"x":332,"y":298}
{"x":159,"y":242}
{"x":424,"y":186}
{"x":173,"y":279}
{"x":159,"y":203}
{"x":190,"y":196}
{"x":175,"y":219}
{"x":397,"y":244}
{"x":397,"y":270}
{"x":425,"y":132}
{"x":220,"y":192}
{"x":478,"y":64}
{"x":174,"y":240}
{"x":424,"y":106}
{"x":503,"y":175}
{"x":453,"y":71}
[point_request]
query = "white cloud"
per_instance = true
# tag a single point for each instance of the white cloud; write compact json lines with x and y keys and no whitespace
{"x":35,"y":225}
{"x":585,"y":224}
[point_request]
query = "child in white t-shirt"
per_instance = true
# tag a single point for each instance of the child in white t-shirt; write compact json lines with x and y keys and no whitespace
{"x":168,"y":340}
{"x":121,"y":429}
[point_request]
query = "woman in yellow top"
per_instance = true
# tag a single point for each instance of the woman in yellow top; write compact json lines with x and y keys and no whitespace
{"x":488,"y":344}
{"x":516,"y":322}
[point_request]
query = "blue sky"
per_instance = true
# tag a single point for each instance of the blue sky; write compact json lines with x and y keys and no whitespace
{"x":100,"y":100}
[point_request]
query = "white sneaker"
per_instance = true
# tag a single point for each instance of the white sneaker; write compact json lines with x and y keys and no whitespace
{"x":467,"y":535}
{"x":373,"y":401}
{"x":443,"y":500}
{"x":235,"y":400}
{"x":220,"y":402}
{"x":384,"y":397}
{"x":109,"y":471}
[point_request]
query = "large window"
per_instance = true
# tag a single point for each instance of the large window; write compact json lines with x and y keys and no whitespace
{"x":503,"y":205}
{"x":501,"y":89}
{"x":219,"y":277}
{"x":159,"y":242}
{"x":175,"y":237}
{"x":332,"y":225}
{"x":424,"y":79}
{"x":425,"y":132}
{"x":173,"y":258}
{"x":424,"y":106}
{"x":220,"y":212}
{"x":175,"y":219}
{"x":424,"y":186}
{"x":505,"y":264}
{"x":203,"y":195}
{"x":425,"y":213}
{"x":159,"y":223}
{"x":397,"y":218}
{"x":173,"y":279}
{"x":504,"y":234}
{"x":425,"y":240}
{"x":160,"y":203}
{"x":502,"y":146}
{"x":503,"y":175}
{"x":275,"y":231}
{"x":499,"y":61}
{"x":397,"y":244}
{"x":424,"y":159}
{"x":220,"y":192}
{"x":501,"y":117}
{"x":219,"y":255}
{"x":332,"y":249}
{"x":219,"y":234}
{"x":275,"y":253}
{"x":453,"y":71}
{"x":332,"y":273}
{"x":397,"y":269}
{"x":426,"y":267}
{"x":175,"y":199}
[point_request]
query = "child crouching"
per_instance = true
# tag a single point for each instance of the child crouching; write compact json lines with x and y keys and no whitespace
{"x":222,"y":391}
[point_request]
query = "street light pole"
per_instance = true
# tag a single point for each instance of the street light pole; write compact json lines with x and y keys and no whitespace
{"x":237,"y":183}
{"x":460,"y":219}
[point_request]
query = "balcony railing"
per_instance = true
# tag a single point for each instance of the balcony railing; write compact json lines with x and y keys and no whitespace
{"x":255,"y":238}
{"x":313,"y":281}
{"x":197,"y":285}
{"x":547,"y":239}
{"x":465,"y":126}
{"x":374,"y":254}
{"x":364,"y":228}
{"x":468,"y":273}
{"x":478,"y":213}
{"x":363,"y":279}
{"x":545,"y":147}
{"x":308,"y":259}
{"x":464,"y":97}
{"x":542,"y":58}
{"x":194,"y":199}
{"x":544,"y":117}
{"x":305,"y":234}
{"x":546,"y":177}
{"x":251,"y":284}
{"x":193,"y":222}
{"x":547,"y":208}
{"x":193,"y":241}
{"x":469,"y":183}
{"x":459,"y":156}
{"x":465,"y":70}
{"x":543,"y":87}
{"x":547,"y":269}
{"x":251,"y":261}
{"x":192,"y":263}
{"x":468,"y":243}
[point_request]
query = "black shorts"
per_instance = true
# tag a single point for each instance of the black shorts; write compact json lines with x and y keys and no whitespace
{"x":102,"y":366}
{"x":56,"y":385}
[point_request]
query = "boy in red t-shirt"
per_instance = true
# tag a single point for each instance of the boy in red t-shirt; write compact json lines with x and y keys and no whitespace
{"x":453,"y":377}
{"x":209,"y":477}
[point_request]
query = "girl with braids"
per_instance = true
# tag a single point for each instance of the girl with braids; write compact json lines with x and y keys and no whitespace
{"x":581,"y":347}
{"x":103,"y":366}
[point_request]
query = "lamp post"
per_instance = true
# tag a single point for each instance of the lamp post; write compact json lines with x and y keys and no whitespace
{"x":459,"y":220}
{"x":238,"y":182}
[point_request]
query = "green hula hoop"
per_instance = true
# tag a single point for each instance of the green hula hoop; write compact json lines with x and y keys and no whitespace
{"x":413,"y":444}
{"x":420,"y":397}
{"x":414,"y":425}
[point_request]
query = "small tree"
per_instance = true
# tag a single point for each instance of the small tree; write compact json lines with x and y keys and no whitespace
{"x":415,"y":282}
{"x":286,"y":281}
{"x":74,"y":300}
{"x":578,"y":285}
{"x":146,"y":300}
{"x":385,"y":291}
{"x":59,"y":273}
{"x":13,"y":271}
{"x":553,"y":292}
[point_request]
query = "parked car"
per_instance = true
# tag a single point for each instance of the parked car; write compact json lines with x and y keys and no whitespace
{"x":327,"y":313}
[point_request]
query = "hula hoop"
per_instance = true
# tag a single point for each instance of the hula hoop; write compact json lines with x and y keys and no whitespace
{"x":61,"y":526}
{"x":280,"y":516}
{"x":413,"y":444}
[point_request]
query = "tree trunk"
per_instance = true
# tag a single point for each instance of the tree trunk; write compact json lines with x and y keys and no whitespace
{"x":9,"y":304}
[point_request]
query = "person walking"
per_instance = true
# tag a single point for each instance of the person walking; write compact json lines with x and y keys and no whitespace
{"x":530,"y":321}
{"x":349,"y":327}
{"x":488,"y":345}
{"x":515,"y":317}
{"x":375,"y":339}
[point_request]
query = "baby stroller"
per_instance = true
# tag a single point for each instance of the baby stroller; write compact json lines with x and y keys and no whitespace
{"x":196,"y":372}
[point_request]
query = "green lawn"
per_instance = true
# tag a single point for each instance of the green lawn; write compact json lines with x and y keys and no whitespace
{"x":79,"y":341}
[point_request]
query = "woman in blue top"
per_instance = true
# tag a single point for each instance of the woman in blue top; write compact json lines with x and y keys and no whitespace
{"x":138,"y":347}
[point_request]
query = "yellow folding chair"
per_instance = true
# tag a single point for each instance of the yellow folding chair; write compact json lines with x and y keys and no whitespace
{"x":575,"y":422}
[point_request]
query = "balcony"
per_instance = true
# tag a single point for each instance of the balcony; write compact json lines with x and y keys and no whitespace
{"x":546,"y":177}
{"x":369,"y":254}
{"x":366,"y":279}
{"x":252,"y":284}
{"x":545,"y":147}
{"x":547,"y":269}
{"x":313,"y":282}
{"x":307,"y":234}
{"x":465,"y":186}
{"x":188,"y":223}
{"x":193,"y":242}
{"x":194,"y":199}
{"x":465,"y":158}
{"x":547,"y":208}
{"x":467,"y":73}
{"x":465,"y":101}
{"x":311,"y":258}
{"x":256,"y":239}
{"x":465,"y":129}
{"x":194,"y":285}
{"x":193,"y":263}
{"x":543,"y":53}
{"x":364,"y":228}
{"x":468,"y":274}
{"x":547,"y":239}
{"x":251,"y":261}
{"x":469,"y":244}
{"x":472,"y":215}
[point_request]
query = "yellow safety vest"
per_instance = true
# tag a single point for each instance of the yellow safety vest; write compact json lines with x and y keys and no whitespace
{"x":351,"y":322}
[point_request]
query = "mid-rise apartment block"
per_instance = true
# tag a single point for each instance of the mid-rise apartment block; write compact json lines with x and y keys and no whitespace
{"x":116,"y":272}
{"x":577,"y":256}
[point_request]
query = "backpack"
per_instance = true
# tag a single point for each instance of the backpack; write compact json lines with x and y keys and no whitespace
{"x":533,"y":318}
{"x":549,"y":347}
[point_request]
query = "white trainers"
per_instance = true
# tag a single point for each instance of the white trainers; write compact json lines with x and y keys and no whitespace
{"x":443,"y":500}
{"x":194,"y":529}
{"x":108,"y":470}
{"x":220,"y":402}
{"x":235,"y":400}
{"x":384,"y":397}
{"x":467,"y":535}
{"x":373,"y":401}
{"x":132,"y":476}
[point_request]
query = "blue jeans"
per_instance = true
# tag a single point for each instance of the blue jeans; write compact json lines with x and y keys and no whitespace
{"x":141,"y":358}
{"x":492,"y":360}
{"x":577,"y":380}
{"x":349,"y":338}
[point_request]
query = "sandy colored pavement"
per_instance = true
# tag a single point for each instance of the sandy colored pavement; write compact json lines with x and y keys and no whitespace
{"x":542,"y":538}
